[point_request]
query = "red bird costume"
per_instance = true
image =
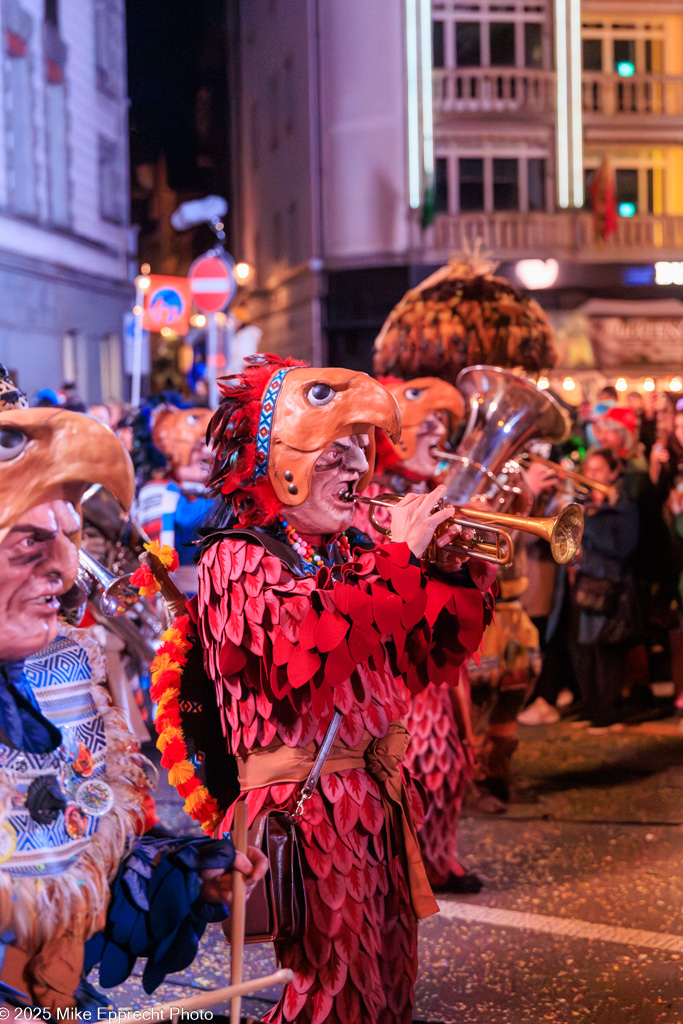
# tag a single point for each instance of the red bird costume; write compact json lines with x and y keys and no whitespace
{"x":438,"y":719}
{"x":287,"y":641}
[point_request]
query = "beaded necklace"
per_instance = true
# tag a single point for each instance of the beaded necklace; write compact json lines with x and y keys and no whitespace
{"x":307,"y":553}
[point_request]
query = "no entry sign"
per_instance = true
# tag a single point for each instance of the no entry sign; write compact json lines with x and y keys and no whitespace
{"x":212,"y":282}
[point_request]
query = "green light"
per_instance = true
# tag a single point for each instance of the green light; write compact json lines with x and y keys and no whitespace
{"x":627,"y":209}
{"x":625,"y":69}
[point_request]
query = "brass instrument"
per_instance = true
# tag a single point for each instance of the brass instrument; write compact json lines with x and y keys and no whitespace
{"x":563,"y":531}
{"x":581,"y":485}
{"x":507,"y":490}
{"x":112,"y":595}
{"x":505,"y":413}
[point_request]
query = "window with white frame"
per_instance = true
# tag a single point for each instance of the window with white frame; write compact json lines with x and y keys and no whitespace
{"x":57,"y":153}
{"x":18,"y":99}
{"x":56,"y":124}
{"x":487,"y":33}
{"x":112,"y":186}
{"x":487,"y":183}
{"x":624,"y":48}
{"x":639,"y":185}
{"x":441,"y":196}
{"x":108,"y":47}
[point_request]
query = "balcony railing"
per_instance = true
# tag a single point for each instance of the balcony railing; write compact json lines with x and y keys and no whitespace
{"x":520,"y":91}
{"x":563,"y":235}
{"x":611,"y":95}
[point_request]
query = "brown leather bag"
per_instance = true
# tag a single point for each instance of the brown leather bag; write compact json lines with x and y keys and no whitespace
{"x":277,"y":907}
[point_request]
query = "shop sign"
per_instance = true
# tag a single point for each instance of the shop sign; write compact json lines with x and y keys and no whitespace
{"x":626,"y":341}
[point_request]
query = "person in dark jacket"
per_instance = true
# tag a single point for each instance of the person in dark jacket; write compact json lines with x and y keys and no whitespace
{"x":604,"y":596}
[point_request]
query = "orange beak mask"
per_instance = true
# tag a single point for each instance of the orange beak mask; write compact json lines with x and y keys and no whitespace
{"x":50,"y":454}
{"x":304,"y":410}
{"x":177,"y":431}
{"x":419,"y":398}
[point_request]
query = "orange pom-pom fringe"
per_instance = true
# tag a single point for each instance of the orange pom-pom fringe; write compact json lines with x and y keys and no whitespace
{"x":166,"y":670}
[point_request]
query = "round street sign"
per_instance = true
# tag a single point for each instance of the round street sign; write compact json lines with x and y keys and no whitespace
{"x":213,"y":283}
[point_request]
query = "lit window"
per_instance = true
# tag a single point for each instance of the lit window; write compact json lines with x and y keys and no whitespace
{"x":625,"y":57}
{"x":627,"y":192}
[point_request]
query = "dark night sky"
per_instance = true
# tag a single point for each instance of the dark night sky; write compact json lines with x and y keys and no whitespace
{"x":175,"y":48}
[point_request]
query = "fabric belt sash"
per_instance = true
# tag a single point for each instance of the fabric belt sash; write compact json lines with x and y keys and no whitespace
{"x":381,"y":758}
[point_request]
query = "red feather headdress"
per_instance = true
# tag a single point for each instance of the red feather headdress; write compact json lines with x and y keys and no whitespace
{"x":232,"y":433}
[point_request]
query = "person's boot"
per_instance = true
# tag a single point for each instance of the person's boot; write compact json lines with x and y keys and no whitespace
{"x":500,"y":751}
{"x":479,"y":800}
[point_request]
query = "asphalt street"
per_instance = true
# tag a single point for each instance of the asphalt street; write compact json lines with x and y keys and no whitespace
{"x":580,"y":920}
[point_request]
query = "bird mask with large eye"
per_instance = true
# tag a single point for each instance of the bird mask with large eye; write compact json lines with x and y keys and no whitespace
{"x":49,"y":454}
{"x":312,"y":408}
{"x":418,"y":399}
{"x":176,"y":432}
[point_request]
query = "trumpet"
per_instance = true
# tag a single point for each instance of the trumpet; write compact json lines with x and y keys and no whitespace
{"x":563,"y":531}
{"x":112,"y":595}
{"x":581,"y":485}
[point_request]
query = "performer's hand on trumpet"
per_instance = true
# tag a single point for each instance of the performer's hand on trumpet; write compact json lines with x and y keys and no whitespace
{"x":217,"y":885}
{"x":540,"y":478}
{"x":414,"y":522}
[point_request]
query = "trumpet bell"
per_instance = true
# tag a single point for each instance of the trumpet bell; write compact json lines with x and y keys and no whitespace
{"x":566,"y":533}
{"x":113,"y":595}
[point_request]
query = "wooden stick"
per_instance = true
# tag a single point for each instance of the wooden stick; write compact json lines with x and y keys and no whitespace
{"x":238,"y":910}
{"x":167,"y":1011}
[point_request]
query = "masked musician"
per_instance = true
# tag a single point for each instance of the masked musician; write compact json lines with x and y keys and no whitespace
{"x":172,"y":508}
{"x":300,"y":615}
{"x":439,"y":754}
{"x":73,"y":792}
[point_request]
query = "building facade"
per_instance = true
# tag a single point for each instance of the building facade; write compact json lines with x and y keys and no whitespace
{"x":64,"y":195}
{"x":529,"y":118}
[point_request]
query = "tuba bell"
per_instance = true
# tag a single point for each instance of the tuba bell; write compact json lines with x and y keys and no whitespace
{"x":505,"y":413}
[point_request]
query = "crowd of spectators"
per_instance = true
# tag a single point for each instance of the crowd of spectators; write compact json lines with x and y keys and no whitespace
{"x":610,"y":623}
